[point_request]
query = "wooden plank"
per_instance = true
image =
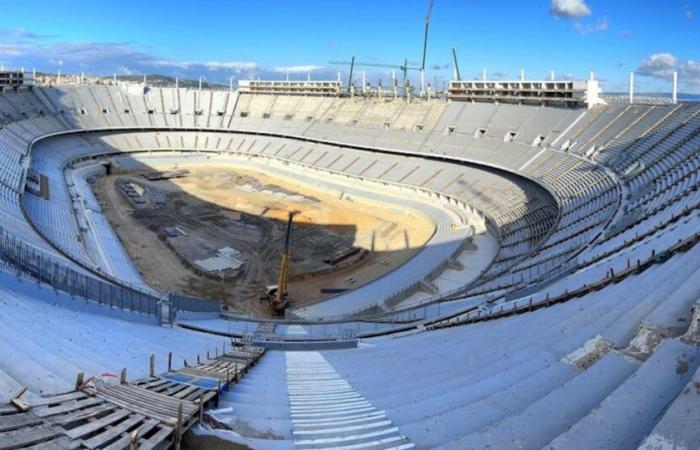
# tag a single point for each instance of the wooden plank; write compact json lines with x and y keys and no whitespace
{"x":202,"y":373}
{"x":82,"y":414}
{"x":60,"y":443}
{"x":67,"y":407}
{"x":14,"y":421}
{"x":146,"y":398}
{"x":101,"y":439}
{"x":144,"y":407}
{"x":185,"y":392}
{"x":123,"y":442}
{"x":174,"y":390}
{"x":156,"y":439}
{"x":145,"y":410}
{"x":208,"y":395}
{"x":27,"y":436}
{"x":95,"y":425}
{"x":44,"y":401}
{"x":149,"y":384}
{"x":163,"y":387}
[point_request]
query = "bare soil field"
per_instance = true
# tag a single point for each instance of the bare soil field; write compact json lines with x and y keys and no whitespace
{"x":338,"y":243}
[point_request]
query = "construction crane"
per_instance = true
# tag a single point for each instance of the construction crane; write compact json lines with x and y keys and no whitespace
{"x":277,"y":294}
{"x":353,"y":63}
{"x":454,"y":56}
{"x":425,"y":45}
{"x":405,"y":67}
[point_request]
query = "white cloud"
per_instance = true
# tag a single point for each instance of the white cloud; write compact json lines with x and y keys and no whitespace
{"x":662,"y":66}
{"x":212,"y":66}
{"x":588,"y":28}
{"x":16,"y":34}
{"x":297,"y":69}
{"x":10,"y":50}
{"x":690,"y":72}
{"x":658,"y":65}
{"x":570,"y":9}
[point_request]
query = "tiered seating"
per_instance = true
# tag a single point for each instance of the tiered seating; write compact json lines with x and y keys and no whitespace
{"x":597,"y":257}
{"x":459,"y":395}
{"x":11,"y":151}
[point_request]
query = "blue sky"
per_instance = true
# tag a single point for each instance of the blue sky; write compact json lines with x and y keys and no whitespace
{"x":219,"y":39}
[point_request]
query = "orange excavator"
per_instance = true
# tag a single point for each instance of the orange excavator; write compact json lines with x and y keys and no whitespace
{"x":277,"y":294}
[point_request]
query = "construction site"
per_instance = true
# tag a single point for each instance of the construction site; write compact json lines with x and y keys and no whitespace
{"x":219,"y":232}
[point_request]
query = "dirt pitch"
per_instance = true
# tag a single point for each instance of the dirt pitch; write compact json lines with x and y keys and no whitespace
{"x":232,"y":206}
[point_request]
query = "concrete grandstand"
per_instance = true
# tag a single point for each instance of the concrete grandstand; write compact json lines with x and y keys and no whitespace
{"x":555,"y":304}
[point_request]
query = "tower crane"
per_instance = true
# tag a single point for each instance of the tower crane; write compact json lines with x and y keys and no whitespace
{"x":405,"y":67}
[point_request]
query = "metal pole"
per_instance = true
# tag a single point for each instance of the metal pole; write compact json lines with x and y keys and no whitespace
{"x":675,"y":88}
{"x":631,"y":88}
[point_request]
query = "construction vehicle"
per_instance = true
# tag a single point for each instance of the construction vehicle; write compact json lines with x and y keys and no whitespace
{"x":277,"y":294}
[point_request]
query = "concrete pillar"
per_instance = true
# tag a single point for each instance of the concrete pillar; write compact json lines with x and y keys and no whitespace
{"x":364,"y":81}
{"x":422,"y":82}
{"x":522,"y":74}
{"x":551,"y":75}
{"x":308,"y":77}
{"x":483,"y":74}
{"x":338,"y":76}
{"x":675,"y":88}
{"x":631,"y":87}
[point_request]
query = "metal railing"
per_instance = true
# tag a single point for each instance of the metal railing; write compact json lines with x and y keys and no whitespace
{"x":32,"y":262}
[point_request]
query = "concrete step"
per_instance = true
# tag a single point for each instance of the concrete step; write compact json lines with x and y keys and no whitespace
{"x":630,"y":412}
{"x":561,"y":407}
{"x":678,"y":428}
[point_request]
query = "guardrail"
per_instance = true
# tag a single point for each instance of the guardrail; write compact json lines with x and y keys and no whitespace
{"x":32,"y":262}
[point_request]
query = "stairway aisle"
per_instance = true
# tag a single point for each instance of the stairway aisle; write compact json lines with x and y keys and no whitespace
{"x":326,"y":412}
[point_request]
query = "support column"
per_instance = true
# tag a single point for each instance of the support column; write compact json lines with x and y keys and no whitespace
{"x":675,"y":88}
{"x":631,"y":87}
